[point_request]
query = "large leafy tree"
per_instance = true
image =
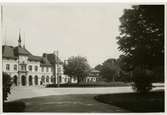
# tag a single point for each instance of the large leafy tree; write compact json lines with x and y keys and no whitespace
{"x":109,"y":69}
{"x":141,"y":36}
{"x":141,"y":40}
{"x":77,"y":67}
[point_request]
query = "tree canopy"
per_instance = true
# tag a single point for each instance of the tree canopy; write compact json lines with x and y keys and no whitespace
{"x":77,"y":67}
{"x":7,"y":83}
{"x":141,"y":36}
{"x":109,"y":69}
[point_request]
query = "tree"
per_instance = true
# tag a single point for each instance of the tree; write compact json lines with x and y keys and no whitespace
{"x":141,"y":39}
{"x":125,"y":69}
{"x":77,"y":67}
{"x":141,"y":36}
{"x":7,"y":83}
{"x":109,"y":69}
{"x":142,"y":80}
{"x":99,"y":67}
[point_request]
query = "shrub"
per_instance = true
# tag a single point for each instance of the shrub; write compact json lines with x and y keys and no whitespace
{"x":97,"y":84}
{"x":7,"y":83}
{"x":142,"y":80}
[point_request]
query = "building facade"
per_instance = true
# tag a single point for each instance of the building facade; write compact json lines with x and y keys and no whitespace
{"x":93,"y":77}
{"x":27,"y":69}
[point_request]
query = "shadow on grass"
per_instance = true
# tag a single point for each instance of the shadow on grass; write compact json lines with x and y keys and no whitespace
{"x":14,"y":106}
{"x":135,"y":102}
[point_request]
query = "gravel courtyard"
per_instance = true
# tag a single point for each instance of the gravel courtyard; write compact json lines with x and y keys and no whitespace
{"x":29,"y":92}
{"x":40,"y":99}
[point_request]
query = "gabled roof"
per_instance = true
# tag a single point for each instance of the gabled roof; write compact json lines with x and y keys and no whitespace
{"x":13,"y":53}
{"x":21,"y":51}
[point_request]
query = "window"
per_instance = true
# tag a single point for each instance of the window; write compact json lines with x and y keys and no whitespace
{"x":47,"y":69}
{"x":43,"y":79}
{"x":36,"y":68}
{"x":42,"y":69}
{"x":15,"y":67}
{"x":23,"y":67}
{"x":52,"y":79}
{"x":47,"y":79}
{"x":7,"y":67}
{"x":60,"y":79}
{"x":30,"y":67}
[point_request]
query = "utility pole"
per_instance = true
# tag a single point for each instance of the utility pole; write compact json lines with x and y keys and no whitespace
{"x":57,"y":60}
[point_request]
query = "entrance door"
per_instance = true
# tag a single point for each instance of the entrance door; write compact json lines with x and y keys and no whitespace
{"x":15,"y":80}
{"x":42,"y":80}
{"x":36,"y":80}
{"x":23,"y":80}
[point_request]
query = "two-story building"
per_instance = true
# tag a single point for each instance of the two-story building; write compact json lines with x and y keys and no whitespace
{"x":27,"y":69}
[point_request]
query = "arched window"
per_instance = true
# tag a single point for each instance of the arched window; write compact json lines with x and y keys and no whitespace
{"x":36,"y":80}
{"x":47,"y":79}
{"x":43,"y":79}
{"x":52,"y":79}
{"x":30,"y":80}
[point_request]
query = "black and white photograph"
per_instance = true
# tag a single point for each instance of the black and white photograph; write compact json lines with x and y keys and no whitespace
{"x":83,"y":57}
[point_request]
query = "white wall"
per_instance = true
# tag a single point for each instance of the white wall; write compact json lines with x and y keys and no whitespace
{"x":11,"y":62}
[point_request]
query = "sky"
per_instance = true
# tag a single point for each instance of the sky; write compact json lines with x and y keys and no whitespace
{"x":87,"y":30}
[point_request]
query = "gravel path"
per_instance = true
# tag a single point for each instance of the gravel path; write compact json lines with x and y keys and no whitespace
{"x":29,"y":92}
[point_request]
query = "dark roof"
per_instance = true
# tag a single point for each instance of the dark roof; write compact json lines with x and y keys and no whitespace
{"x":21,"y":51}
{"x":13,"y":52}
{"x":34,"y":58}
{"x":8,"y":52}
{"x":94,"y":71}
{"x":45,"y":62}
{"x":52,"y":58}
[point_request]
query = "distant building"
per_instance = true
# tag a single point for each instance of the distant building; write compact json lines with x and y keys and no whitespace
{"x":27,"y":69}
{"x":93,"y":76}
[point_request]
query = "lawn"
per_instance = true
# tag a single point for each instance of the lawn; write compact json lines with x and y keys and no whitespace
{"x":149,"y":102}
{"x":61,"y":103}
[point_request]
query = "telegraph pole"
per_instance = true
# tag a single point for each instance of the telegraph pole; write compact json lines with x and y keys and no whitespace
{"x":58,"y":80}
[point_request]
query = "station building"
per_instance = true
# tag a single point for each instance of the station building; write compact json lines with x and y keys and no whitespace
{"x":27,"y":69}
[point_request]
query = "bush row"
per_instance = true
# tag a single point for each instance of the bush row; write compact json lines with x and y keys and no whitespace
{"x":98,"y":84}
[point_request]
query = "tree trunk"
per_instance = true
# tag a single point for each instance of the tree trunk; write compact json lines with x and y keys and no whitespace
{"x":78,"y":80}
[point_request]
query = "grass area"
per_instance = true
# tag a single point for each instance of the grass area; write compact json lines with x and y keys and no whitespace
{"x":97,"y":84}
{"x":135,"y":102}
{"x":14,"y":106}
